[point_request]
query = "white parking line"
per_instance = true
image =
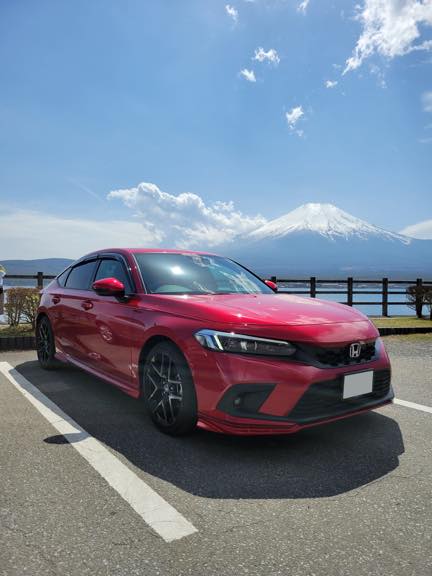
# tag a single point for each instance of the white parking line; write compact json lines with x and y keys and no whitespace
{"x":421,"y":407}
{"x":155,"y":511}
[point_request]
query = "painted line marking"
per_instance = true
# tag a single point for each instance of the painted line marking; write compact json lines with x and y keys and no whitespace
{"x":153,"y":509}
{"x":421,"y":407}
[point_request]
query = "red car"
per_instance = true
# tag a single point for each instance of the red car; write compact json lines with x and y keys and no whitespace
{"x":200,"y":340}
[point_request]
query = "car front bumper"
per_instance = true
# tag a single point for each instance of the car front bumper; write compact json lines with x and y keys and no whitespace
{"x":249,"y":395}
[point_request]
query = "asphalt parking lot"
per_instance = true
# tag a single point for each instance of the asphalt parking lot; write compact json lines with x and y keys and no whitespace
{"x":349,"y":498}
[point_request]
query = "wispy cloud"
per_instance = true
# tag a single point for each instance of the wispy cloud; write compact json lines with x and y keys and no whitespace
{"x":248,"y":75}
{"x":270,"y":56}
{"x":86,"y":189}
{"x":188,"y":220}
{"x":427,"y":101}
{"x":390,"y":28}
{"x":330,"y":83}
{"x":303,"y":6}
{"x":232,"y":12}
{"x":292,"y":118}
{"x":421,"y":230}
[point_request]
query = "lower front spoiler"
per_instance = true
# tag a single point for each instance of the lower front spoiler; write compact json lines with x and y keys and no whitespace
{"x":225,"y":424}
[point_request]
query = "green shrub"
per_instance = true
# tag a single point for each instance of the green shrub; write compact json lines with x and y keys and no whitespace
{"x":30,"y":306}
{"x":22,"y":304}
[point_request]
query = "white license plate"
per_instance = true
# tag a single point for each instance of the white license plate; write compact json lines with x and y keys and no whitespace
{"x":357,"y":384}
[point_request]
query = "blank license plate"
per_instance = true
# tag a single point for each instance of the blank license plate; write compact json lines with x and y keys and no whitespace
{"x":357,"y":384}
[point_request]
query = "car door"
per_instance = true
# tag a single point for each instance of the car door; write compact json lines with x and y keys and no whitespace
{"x":72,"y":304}
{"x":111,"y":324}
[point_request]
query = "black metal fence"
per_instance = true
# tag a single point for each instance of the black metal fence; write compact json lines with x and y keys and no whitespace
{"x":39,"y":278}
{"x":313,"y":287}
{"x":348,"y":287}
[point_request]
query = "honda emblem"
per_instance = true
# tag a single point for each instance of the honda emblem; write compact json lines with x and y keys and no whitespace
{"x":355,"y":350}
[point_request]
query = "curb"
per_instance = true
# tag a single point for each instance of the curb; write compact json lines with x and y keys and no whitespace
{"x":395,"y":331}
{"x":17,"y":343}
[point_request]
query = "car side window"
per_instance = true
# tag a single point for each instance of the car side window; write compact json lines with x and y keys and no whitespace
{"x":81,"y":276}
{"x":62,"y":278}
{"x":110,"y":268}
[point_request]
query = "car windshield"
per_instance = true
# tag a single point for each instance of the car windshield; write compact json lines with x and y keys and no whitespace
{"x":167,"y":273}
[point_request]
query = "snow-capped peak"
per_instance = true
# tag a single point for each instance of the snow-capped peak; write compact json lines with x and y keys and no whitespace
{"x":324,"y":219}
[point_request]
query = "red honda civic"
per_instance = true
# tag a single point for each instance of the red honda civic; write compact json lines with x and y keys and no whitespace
{"x":201,"y":340}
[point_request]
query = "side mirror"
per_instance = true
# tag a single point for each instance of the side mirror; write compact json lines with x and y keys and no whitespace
{"x":271,"y":285}
{"x":109,"y":287}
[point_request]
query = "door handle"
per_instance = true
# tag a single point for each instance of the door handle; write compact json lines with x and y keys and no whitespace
{"x":87,"y":304}
{"x":55,"y":299}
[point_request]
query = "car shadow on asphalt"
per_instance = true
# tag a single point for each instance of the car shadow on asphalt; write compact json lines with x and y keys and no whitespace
{"x":318,"y":462}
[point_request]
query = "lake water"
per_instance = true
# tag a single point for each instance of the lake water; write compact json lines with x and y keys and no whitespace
{"x":370,"y":310}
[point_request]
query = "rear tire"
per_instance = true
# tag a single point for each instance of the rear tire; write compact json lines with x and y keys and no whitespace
{"x":168,"y":390}
{"x":45,"y":344}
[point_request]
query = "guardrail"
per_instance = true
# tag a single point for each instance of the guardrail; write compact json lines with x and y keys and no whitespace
{"x":315,"y":286}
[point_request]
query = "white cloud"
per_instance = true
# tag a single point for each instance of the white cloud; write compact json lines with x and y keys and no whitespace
{"x":427,"y":101}
{"x":421,"y":230}
{"x":303,"y":6}
{"x":187,"y":220}
{"x":232,"y":12}
{"x":292,"y":117}
{"x":249,"y":75}
{"x":31,"y":234}
{"x":157,"y":219}
{"x":271,"y":56}
{"x":390,"y":28}
{"x":330,"y":83}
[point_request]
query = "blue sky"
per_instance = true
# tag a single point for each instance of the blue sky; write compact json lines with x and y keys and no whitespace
{"x":98,"y":96}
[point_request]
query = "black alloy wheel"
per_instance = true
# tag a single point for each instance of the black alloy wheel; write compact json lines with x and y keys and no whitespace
{"x":45,"y":344}
{"x":169,"y":391}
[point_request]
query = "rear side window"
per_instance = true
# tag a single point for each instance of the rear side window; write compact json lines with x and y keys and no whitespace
{"x":81,"y":276}
{"x":109,"y":268}
{"x":62,"y":278}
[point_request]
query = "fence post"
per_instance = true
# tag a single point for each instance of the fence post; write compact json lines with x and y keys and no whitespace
{"x":385,"y":296}
{"x":313,"y":287}
{"x":350,"y":283}
{"x":419,"y":298}
{"x":40,"y":280}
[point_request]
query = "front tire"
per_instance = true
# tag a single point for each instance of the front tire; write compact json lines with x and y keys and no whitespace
{"x":168,"y":390}
{"x":45,"y":344}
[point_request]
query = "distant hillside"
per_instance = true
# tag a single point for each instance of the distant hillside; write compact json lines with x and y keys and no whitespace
{"x":49,"y":266}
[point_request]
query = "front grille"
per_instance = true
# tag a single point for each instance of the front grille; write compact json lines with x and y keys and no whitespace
{"x":335,"y":357}
{"x":324,"y":399}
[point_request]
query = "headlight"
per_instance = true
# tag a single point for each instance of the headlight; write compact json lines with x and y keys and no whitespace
{"x":242,"y":344}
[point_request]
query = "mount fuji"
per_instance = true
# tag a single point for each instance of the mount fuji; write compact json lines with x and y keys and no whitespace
{"x":318,"y":239}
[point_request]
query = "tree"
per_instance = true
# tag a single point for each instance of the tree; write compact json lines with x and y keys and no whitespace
{"x":416,"y":298}
{"x":428,"y":300}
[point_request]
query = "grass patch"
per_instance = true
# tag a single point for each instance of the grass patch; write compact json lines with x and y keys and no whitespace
{"x":401,"y":322}
{"x":20,"y":330}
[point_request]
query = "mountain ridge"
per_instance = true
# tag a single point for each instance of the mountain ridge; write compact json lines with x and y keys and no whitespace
{"x":321,"y":239}
{"x":325,"y":219}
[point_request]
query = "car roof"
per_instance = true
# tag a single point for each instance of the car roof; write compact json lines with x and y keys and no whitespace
{"x":144,"y":251}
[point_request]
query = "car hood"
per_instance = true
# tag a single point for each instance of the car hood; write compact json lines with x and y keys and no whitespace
{"x":262,"y":309}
